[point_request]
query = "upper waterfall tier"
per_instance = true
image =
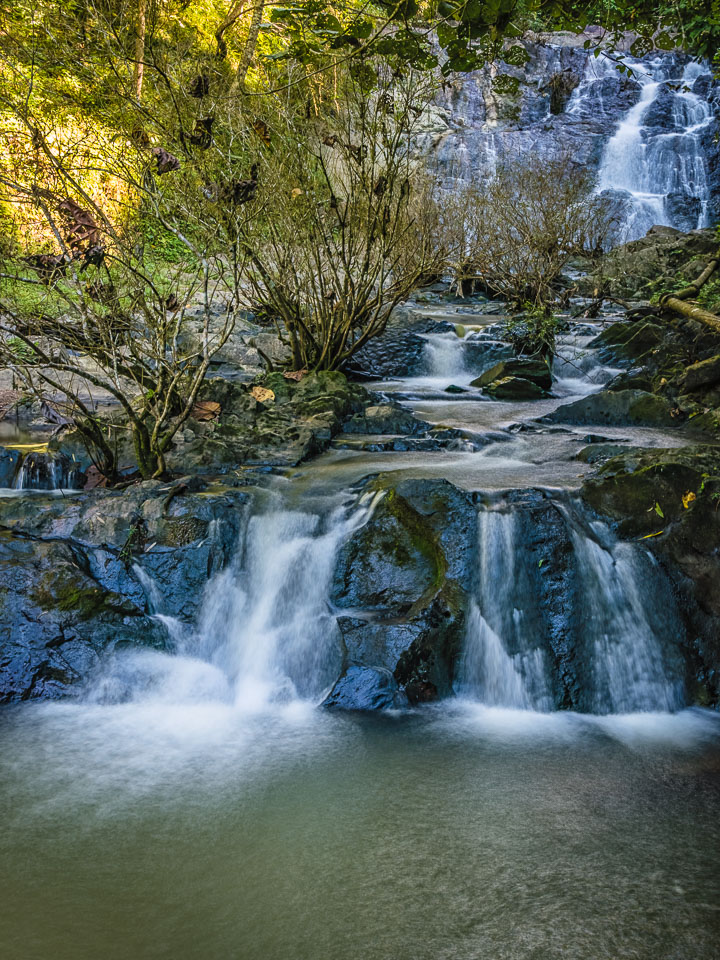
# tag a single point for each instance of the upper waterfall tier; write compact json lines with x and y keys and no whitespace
{"x":650,"y":135}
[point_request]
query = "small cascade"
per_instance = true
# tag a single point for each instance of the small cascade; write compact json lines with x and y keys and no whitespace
{"x":265,"y":633}
{"x":445,"y":356}
{"x":44,"y":470}
{"x":655,"y":162}
{"x":629,"y":625}
{"x":598,"y":617}
{"x":502,"y":663}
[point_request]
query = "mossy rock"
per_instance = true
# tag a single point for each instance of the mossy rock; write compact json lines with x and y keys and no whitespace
{"x":620,"y":407}
{"x":68,"y":590}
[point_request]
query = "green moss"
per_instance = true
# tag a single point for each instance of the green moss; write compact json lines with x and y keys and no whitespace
{"x":70,"y":591}
{"x":421,"y":539}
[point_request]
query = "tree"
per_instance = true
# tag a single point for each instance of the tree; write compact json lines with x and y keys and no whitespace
{"x":102,"y":313}
{"x":329,"y":262}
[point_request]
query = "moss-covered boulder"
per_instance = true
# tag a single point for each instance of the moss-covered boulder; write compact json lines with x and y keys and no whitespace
{"x":652,"y":264}
{"x":618,"y":407}
{"x":403,"y":580}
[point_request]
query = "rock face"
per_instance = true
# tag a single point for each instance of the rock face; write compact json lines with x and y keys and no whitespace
{"x":404,"y":580}
{"x":564,"y":100}
{"x":70,"y":587}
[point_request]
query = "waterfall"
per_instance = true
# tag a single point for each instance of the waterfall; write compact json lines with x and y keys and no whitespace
{"x":502,"y":664}
{"x":629,"y":625}
{"x":660,"y":174}
{"x":618,"y":620}
{"x":265,"y":633}
{"x":445,"y":355}
{"x":47,"y":471}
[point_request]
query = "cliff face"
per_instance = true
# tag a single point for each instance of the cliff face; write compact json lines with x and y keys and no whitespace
{"x":650,"y":135}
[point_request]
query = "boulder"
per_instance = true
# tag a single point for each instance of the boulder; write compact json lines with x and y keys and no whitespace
{"x":387,"y":419}
{"x":515,"y":389}
{"x":83,"y":574}
{"x":403,"y":580}
{"x":535,"y":370}
{"x":701,"y":375}
{"x":649,"y":265}
{"x":621,"y":408}
{"x":365,"y":688}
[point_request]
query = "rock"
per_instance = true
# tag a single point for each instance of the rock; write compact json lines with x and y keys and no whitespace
{"x":9,"y":466}
{"x":670,"y":498}
{"x":386,"y":419}
{"x":515,"y":389}
{"x":403,"y":578}
{"x":600,"y":452}
{"x":453,"y":388}
{"x":534,"y":370}
{"x":628,"y":341}
{"x":683,"y":209}
{"x":703,"y":374}
{"x":622,"y":407}
{"x":71,"y":592}
{"x":365,"y":688}
{"x":647,"y":266}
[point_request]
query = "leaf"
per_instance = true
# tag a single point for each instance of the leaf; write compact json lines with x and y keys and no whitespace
{"x":642,"y":46}
{"x":262,"y":130}
{"x":296,"y":192}
{"x":688,"y":498}
{"x":649,"y":536}
{"x":262,"y":394}
{"x":295,"y":375}
{"x":205,"y":410}
{"x":540,"y":563}
{"x":659,"y":510}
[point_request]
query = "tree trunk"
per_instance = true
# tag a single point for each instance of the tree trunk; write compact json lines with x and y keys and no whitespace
{"x":250,"y":44}
{"x":686,"y":309}
{"x":140,"y":31}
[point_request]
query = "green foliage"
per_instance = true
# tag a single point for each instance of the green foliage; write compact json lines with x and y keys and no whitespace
{"x":533,"y":331}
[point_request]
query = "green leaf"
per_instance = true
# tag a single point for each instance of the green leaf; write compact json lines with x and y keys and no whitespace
{"x":659,"y":510}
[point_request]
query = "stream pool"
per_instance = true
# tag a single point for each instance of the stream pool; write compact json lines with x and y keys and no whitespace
{"x":197,"y":832}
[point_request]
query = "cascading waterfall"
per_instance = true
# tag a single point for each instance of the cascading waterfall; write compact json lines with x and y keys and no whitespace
{"x":265,"y":632}
{"x":502,"y":664}
{"x":445,"y":355}
{"x":660,"y":174}
{"x":629,"y":624}
{"x":621,"y":622}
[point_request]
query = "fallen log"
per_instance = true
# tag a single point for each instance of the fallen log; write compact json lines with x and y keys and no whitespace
{"x":685,"y":309}
{"x":692,"y":290}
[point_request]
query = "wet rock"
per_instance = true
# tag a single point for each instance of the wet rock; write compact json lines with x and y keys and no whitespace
{"x":365,"y":688}
{"x":628,"y":341}
{"x":701,"y":375}
{"x":669,"y":498}
{"x":386,"y":419}
{"x":600,"y":452}
{"x":622,"y":407}
{"x":403,"y":580}
{"x":535,"y":371}
{"x":9,"y":466}
{"x":515,"y":389}
{"x":71,"y":590}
